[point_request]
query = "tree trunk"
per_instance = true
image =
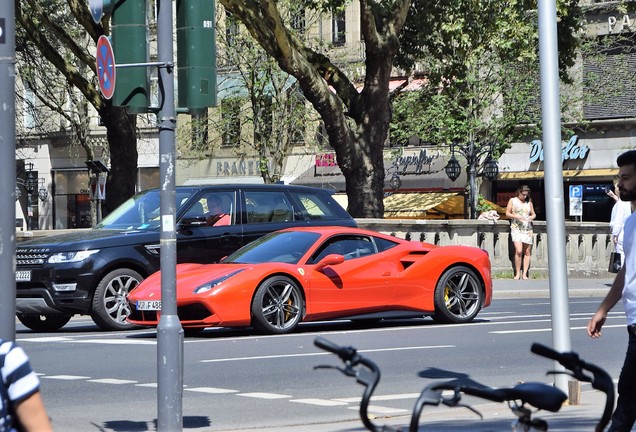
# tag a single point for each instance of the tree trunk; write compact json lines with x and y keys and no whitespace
{"x":121,"y":131}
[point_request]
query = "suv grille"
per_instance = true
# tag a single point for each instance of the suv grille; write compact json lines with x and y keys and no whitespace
{"x":29,"y":257}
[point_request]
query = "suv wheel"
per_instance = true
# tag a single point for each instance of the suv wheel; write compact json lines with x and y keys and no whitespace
{"x":110,"y":306}
{"x":44,"y":323}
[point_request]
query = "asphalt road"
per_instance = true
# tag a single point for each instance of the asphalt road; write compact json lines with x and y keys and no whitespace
{"x":236,"y":380}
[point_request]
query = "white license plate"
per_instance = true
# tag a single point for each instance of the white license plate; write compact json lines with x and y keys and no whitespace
{"x":149,"y":305}
{"x":23,"y":276}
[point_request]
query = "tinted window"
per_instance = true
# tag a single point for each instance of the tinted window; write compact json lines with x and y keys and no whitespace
{"x":348,"y":246}
{"x":287,"y":247}
{"x":268,"y":206}
{"x":383,"y":244}
{"x":142,"y":211}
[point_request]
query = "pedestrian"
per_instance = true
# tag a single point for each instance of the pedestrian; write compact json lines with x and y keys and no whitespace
{"x":521,"y":213}
{"x":620,"y":212}
{"x":21,"y":405}
{"x":624,"y":287}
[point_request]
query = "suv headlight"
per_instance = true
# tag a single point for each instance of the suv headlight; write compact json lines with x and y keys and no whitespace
{"x":213,"y":283}
{"x":71,"y":257}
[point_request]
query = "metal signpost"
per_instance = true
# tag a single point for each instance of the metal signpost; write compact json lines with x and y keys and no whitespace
{"x":169,"y":330}
{"x":554,"y":202}
{"x":7,"y":170}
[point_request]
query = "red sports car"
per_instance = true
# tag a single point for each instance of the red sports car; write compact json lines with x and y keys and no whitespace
{"x":321,"y":273}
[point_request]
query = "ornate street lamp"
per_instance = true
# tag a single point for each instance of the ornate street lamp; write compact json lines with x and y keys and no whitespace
{"x":476,"y":155}
{"x":30,"y":184}
{"x":395,"y":181}
{"x":43,"y":194}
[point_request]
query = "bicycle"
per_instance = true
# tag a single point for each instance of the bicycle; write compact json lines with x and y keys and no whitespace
{"x":538,"y":395}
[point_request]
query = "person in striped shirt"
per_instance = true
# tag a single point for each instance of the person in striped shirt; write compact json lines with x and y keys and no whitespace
{"x":21,"y":405}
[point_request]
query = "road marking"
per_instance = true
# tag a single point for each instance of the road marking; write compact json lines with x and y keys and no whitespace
{"x":382,"y":397}
{"x":547,"y":329}
{"x":319,"y":402}
{"x":314,"y":354}
{"x":111,"y":381}
{"x":211,"y":390}
{"x":66,"y":377}
{"x":150,"y":385}
{"x":381,"y":410}
{"x":260,"y":395}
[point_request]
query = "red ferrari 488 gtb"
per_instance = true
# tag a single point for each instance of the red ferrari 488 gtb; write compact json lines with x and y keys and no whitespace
{"x":323,"y":273}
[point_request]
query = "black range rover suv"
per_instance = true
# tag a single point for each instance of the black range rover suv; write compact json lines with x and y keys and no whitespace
{"x":91,"y":272}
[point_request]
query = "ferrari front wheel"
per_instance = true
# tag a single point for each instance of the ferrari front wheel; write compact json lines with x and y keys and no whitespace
{"x":458,"y":296}
{"x":277,"y":306}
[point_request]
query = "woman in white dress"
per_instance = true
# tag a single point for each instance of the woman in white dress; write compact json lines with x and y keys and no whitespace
{"x":521,"y":213}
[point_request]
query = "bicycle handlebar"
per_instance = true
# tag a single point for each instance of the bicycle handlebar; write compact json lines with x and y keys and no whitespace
{"x":346,"y":354}
{"x":600,"y":379}
{"x":368,"y":377}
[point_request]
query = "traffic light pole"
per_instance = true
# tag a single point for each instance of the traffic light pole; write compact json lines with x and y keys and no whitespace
{"x":169,"y":330}
{"x":7,"y":170}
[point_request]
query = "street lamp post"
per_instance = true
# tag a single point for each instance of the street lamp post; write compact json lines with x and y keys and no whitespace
{"x":30,"y":185}
{"x":476,"y":155}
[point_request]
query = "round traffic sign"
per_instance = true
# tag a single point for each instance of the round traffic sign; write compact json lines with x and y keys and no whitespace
{"x":97,"y":9}
{"x":105,"y":61}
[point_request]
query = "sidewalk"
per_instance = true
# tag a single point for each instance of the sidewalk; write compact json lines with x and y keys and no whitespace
{"x":540,"y":288}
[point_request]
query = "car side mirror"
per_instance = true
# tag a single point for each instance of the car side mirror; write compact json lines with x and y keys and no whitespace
{"x":330,"y":260}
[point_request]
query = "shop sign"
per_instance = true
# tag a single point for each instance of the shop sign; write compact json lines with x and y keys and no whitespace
{"x":239,"y":167}
{"x":571,"y":150}
{"x":414,"y":163}
{"x":619,"y":25}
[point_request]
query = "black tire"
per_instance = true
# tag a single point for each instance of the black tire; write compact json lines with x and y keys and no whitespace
{"x":110,"y":306}
{"x":278,"y":305}
{"x":458,"y":296}
{"x":44,"y":323}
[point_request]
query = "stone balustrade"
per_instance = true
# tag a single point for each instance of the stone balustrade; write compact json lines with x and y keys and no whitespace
{"x":587,"y":244}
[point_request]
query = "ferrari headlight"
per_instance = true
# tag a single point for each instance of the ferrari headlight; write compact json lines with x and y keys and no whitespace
{"x":71,"y":257}
{"x":214,"y":283}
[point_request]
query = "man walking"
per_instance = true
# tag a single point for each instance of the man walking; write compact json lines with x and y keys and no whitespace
{"x":624,"y":287}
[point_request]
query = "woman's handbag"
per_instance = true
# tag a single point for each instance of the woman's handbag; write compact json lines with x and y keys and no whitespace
{"x":614,"y":262}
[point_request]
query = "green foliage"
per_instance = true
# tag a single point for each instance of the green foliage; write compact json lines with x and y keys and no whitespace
{"x":483,"y":205}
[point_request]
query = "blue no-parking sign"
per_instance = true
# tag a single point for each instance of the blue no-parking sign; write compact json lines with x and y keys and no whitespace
{"x":105,"y":59}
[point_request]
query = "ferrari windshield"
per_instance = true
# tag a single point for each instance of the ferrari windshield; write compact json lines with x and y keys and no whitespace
{"x":280,"y":246}
{"x":141,"y":212}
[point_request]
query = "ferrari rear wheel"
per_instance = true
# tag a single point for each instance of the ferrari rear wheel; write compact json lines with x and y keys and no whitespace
{"x":277,"y":306}
{"x":458,"y":296}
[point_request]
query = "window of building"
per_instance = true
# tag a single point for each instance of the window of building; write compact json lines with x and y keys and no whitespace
{"x":231,"y":28}
{"x":608,"y":80}
{"x":29,"y":106}
{"x":231,"y":120}
{"x":338,"y":28}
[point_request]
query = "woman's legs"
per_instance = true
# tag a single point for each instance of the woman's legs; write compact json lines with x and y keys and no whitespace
{"x":527,"y":252}
{"x":518,"y":255}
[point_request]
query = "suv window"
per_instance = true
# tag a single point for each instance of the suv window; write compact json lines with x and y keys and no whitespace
{"x":211,"y":209}
{"x":313,"y":206}
{"x":268,"y":206}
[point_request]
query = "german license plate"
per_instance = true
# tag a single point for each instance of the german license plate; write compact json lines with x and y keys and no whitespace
{"x":149,"y":305}
{"x":23,"y":276}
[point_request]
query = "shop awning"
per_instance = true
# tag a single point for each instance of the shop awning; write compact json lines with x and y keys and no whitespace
{"x":417,"y":205}
{"x":423,"y":205}
{"x":527,"y":175}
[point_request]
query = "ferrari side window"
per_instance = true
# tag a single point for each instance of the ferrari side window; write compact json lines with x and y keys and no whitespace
{"x":348,"y":246}
{"x":383,"y":244}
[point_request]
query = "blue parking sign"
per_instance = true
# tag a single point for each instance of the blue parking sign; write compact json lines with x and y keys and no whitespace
{"x":576,"y":191}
